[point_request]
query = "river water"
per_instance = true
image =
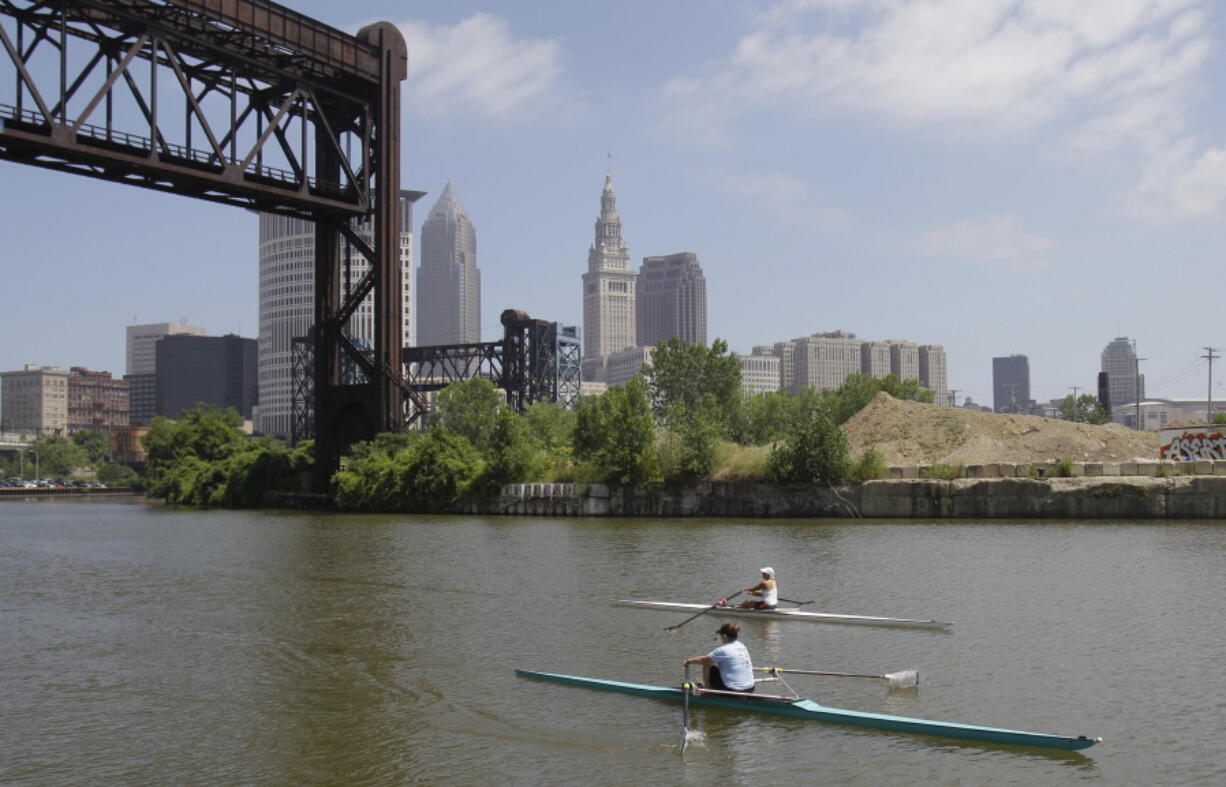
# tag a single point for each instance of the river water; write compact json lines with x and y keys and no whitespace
{"x":149,"y":645}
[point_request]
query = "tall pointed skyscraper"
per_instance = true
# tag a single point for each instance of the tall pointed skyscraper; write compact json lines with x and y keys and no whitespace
{"x":448,"y":282}
{"x":608,"y":290}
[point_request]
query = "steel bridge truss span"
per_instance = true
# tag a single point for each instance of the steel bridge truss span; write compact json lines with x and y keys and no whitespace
{"x":246,"y":103}
{"x":160,"y":94}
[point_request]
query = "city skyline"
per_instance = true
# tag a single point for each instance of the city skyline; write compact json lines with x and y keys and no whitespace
{"x":991,"y":203}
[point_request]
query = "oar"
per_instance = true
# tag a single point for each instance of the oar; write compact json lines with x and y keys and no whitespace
{"x":903,"y":679}
{"x":798,"y":603}
{"x":685,"y":709}
{"x":705,"y":611}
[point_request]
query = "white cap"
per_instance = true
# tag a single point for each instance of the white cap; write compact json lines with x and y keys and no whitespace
{"x":768,"y":571}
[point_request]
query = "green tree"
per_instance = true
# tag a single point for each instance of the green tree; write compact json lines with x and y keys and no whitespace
{"x":1218,"y":418}
{"x":512,"y":456}
{"x":552,"y":426}
{"x":816,"y":451}
{"x":206,"y":433}
{"x":97,"y":446}
{"x":859,"y":389}
{"x":764,"y":418}
{"x":615,"y":432}
{"x":469,"y":409}
{"x":1084,"y":409}
{"x":57,"y":456}
{"x":687,"y":382}
{"x":442,"y":467}
{"x":118,"y":475}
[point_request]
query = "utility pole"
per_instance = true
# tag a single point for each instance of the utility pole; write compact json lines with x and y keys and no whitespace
{"x":1137,"y":390}
{"x":953,"y":396}
{"x":1209,"y":400}
{"x":1075,"y":389}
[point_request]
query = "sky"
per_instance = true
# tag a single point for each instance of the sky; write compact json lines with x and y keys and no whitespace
{"x":997,"y":177}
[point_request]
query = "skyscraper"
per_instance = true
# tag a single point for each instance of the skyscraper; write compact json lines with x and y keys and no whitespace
{"x":142,"y":343}
{"x":1125,"y":384}
{"x":671,"y":300}
{"x":934,"y":373}
{"x":1010,"y":383}
{"x":219,"y":370}
{"x":608,"y":290}
{"x":448,"y":282}
{"x":287,"y":304}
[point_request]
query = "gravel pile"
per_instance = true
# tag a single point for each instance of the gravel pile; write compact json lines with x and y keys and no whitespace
{"x":911,"y":433}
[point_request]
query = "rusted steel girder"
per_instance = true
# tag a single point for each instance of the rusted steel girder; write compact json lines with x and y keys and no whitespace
{"x":242,"y":102}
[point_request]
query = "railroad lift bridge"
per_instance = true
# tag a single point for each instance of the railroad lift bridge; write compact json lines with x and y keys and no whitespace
{"x":245,"y":103}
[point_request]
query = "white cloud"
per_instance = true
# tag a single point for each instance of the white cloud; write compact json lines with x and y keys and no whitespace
{"x":784,"y":196}
{"x":999,"y":241}
{"x":476,"y":67}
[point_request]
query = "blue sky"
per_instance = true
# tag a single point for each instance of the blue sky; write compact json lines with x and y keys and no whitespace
{"x":997,"y":177}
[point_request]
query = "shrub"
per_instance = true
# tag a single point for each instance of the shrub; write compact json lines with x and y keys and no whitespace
{"x":817,"y":451}
{"x":870,"y":465}
{"x":944,"y":471}
{"x":1063,"y":469}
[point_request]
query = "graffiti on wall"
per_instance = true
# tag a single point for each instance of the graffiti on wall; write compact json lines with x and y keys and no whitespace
{"x":1195,"y":445}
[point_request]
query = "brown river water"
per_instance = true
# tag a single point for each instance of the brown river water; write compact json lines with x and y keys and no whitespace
{"x":149,"y":645}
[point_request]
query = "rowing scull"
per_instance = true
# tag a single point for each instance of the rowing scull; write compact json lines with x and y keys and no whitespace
{"x":786,"y":613}
{"x":808,"y":709}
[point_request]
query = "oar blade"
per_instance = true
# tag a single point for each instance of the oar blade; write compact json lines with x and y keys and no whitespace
{"x":906,"y":679}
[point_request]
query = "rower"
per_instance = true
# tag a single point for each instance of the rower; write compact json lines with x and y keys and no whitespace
{"x":728,"y":667}
{"x":767,"y":592}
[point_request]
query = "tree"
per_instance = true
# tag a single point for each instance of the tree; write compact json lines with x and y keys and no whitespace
{"x":552,"y":426}
{"x":119,"y":475}
{"x":764,"y":418}
{"x":207,"y":434}
{"x":859,"y":389}
{"x":1084,"y":409}
{"x":469,"y":409}
{"x":441,"y":468}
{"x":97,"y":446}
{"x":689,"y":381}
{"x":1218,"y":418}
{"x":615,"y":432}
{"x":512,"y":456}
{"x":58,"y":456}
{"x":816,"y":451}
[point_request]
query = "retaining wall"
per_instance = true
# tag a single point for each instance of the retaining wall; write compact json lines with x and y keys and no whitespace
{"x":1086,"y":497}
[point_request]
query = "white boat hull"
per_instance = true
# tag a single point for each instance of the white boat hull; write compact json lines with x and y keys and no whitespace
{"x":785,"y":613}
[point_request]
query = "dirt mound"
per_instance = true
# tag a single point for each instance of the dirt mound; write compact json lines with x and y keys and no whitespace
{"x":911,"y":433}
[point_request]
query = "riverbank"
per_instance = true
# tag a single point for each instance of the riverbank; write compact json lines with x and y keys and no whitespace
{"x":8,"y":493}
{"x":1117,"y":498}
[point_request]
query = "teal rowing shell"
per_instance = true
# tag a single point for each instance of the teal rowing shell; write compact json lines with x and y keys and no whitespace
{"x":808,"y":709}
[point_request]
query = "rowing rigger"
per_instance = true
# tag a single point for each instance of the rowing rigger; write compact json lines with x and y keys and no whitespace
{"x":808,"y":709}
{"x":786,"y":613}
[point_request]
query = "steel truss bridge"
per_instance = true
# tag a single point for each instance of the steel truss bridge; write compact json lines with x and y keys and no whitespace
{"x":536,"y":361}
{"x":246,"y":103}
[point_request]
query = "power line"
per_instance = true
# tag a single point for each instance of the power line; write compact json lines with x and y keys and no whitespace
{"x":1209,"y":399}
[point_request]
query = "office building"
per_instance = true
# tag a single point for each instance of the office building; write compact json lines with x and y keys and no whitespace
{"x":1125,"y":383}
{"x":142,"y":343}
{"x":609,"y":312}
{"x":448,"y":281}
{"x":904,"y":359}
{"x":96,"y":401}
{"x":621,"y":367}
{"x":671,"y":300}
{"x":759,"y":373}
{"x":1011,"y":384}
{"x":34,"y":401}
{"x":934,"y":373}
{"x":875,"y":359}
{"x":824,"y":360}
{"x":287,"y":307}
{"x":218,"y":370}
